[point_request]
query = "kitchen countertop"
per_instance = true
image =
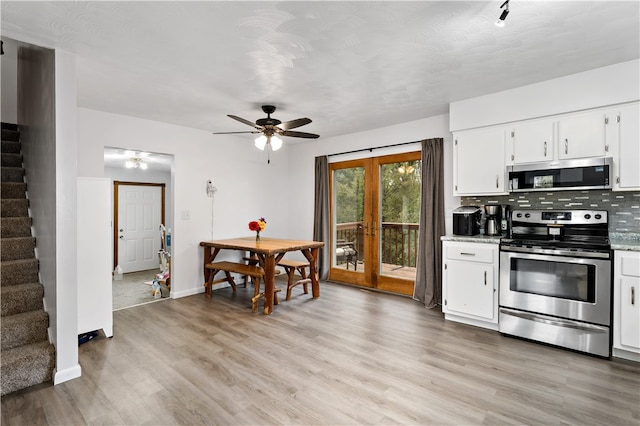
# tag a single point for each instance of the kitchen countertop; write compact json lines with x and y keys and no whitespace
{"x":472,"y":238}
{"x":619,"y":241}
{"x":625,"y":241}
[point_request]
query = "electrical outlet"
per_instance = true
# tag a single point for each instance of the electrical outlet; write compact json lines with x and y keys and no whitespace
{"x":185,"y":215}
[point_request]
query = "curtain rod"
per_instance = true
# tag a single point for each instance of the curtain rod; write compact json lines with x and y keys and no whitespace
{"x":372,"y":148}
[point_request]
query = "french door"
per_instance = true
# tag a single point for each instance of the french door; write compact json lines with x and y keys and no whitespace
{"x":375,"y":208}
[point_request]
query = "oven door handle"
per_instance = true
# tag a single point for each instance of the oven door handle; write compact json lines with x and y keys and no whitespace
{"x":556,"y":321}
{"x":588,"y":254}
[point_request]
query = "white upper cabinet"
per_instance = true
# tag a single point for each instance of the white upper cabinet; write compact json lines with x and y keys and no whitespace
{"x":478,"y":161}
{"x":582,"y":135}
{"x":532,"y":141}
{"x":624,"y":134}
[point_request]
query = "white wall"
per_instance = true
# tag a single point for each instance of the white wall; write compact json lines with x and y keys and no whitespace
{"x":9,"y":81}
{"x":248,"y":187}
{"x":47,"y":117}
{"x":604,"y":86}
{"x":67,"y":366}
{"x":302,"y":158}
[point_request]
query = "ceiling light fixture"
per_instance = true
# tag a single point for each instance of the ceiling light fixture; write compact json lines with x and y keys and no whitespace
{"x":503,"y":15}
{"x":273,"y":141}
{"x":135,"y":163}
{"x":406,"y":170}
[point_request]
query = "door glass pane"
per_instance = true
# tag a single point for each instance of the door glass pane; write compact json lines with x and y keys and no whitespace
{"x":348,"y":193}
{"x":400,"y":213}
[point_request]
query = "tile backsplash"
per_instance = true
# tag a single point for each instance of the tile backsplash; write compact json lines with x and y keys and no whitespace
{"x":623,"y":207}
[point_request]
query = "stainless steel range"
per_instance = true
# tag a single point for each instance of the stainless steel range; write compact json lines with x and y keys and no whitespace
{"x":555,"y":279}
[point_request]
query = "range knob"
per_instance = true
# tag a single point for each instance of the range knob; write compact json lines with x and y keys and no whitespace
{"x":519,"y":215}
{"x":527,"y":215}
{"x":587,"y":216}
{"x":598,"y":216}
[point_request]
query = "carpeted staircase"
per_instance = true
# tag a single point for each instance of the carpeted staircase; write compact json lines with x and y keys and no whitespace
{"x":27,"y":357}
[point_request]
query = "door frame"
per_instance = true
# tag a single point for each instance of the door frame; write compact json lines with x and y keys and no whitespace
{"x":116,"y":186}
{"x":371,"y":275}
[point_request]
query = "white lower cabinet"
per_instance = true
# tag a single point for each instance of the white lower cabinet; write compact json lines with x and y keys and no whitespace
{"x":626,"y":312}
{"x":470,"y":283}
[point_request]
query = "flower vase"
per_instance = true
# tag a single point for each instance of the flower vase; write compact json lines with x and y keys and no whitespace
{"x":257,"y":236}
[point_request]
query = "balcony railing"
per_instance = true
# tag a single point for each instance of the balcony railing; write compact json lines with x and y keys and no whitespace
{"x":399,"y":241}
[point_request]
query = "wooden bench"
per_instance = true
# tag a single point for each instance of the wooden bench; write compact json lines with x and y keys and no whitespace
{"x":255,"y":272}
{"x":290,"y":267}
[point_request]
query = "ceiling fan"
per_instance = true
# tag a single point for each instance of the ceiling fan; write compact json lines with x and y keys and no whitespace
{"x":271,"y":128}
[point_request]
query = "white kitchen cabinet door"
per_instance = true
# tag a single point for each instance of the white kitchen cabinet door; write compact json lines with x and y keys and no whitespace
{"x":582,"y":135}
{"x":532,"y":141}
{"x":629,"y":312}
{"x":626,"y":148}
{"x":626,"y":312}
{"x":478,"y":162}
{"x":470,"y":283}
{"x":469,"y":289}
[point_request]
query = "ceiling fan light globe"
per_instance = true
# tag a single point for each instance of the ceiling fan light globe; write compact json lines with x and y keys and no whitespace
{"x":129,"y":164}
{"x":276,"y":143}
{"x":143,"y":166}
{"x":261,"y":142}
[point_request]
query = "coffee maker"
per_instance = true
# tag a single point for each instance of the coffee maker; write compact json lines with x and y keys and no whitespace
{"x":493,"y":219}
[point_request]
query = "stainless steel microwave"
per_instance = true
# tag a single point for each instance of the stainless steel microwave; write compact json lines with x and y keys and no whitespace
{"x":591,"y":173}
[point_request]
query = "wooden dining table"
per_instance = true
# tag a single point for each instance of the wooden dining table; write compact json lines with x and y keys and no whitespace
{"x":269,"y":251}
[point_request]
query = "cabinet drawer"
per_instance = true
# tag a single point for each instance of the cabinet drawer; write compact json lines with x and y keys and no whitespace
{"x":630,"y":266}
{"x":470,"y":253}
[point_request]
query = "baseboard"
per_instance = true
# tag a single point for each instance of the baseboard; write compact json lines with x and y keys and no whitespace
{"x":67,"y":374}
{"x":197,"y":290}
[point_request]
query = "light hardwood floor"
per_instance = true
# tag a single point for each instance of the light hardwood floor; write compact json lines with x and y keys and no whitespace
{"x":350,"y":357}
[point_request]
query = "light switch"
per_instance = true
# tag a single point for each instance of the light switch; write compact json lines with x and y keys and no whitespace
{"x":185,"y":215}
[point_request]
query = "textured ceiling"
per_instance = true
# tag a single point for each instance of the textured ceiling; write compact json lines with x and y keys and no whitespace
{"x":349,"y":66}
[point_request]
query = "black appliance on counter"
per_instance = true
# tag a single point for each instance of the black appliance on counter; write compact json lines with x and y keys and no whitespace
{"x":555,"y":279}
{"x":466,"y":220}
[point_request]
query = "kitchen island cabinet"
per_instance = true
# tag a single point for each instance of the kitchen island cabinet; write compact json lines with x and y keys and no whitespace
{"x":626,"y":312}
{"x":479,"y":162}
{"x":470,"y":283}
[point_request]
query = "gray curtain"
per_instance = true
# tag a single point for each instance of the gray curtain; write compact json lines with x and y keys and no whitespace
{"x":428,"y":287}
{"x":321,"y":214}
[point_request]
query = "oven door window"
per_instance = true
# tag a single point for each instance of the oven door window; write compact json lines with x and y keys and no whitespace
{"x":564,"y":280}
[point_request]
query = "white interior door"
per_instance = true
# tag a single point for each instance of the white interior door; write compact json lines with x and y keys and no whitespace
{"x":139,"y":217}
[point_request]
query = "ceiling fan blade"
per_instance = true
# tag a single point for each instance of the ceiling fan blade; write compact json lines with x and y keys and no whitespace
{"x":231,"y":133}
{"x":247,"y":122}
{"x":287,"y":125}
{"x":300,"y":135}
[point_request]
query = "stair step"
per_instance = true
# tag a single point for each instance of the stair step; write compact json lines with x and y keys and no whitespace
{"x":21,"y":298}
{"x":13,"y":190}
{"x":15,"y":227}
{"x":11,"y":160}
{"x":14,"y":208}
{"x":26,"y":366}
{"x":12,"y":174}
{"x":9,"y":126}
{"x":14,"y":272}
{"x":17,"y":248}
{"x":10,"y":147}
{"x":24,"y":328}
{"x":10,"y":135}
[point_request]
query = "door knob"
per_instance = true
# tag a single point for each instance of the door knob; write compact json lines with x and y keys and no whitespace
{"x":122,"y":237}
